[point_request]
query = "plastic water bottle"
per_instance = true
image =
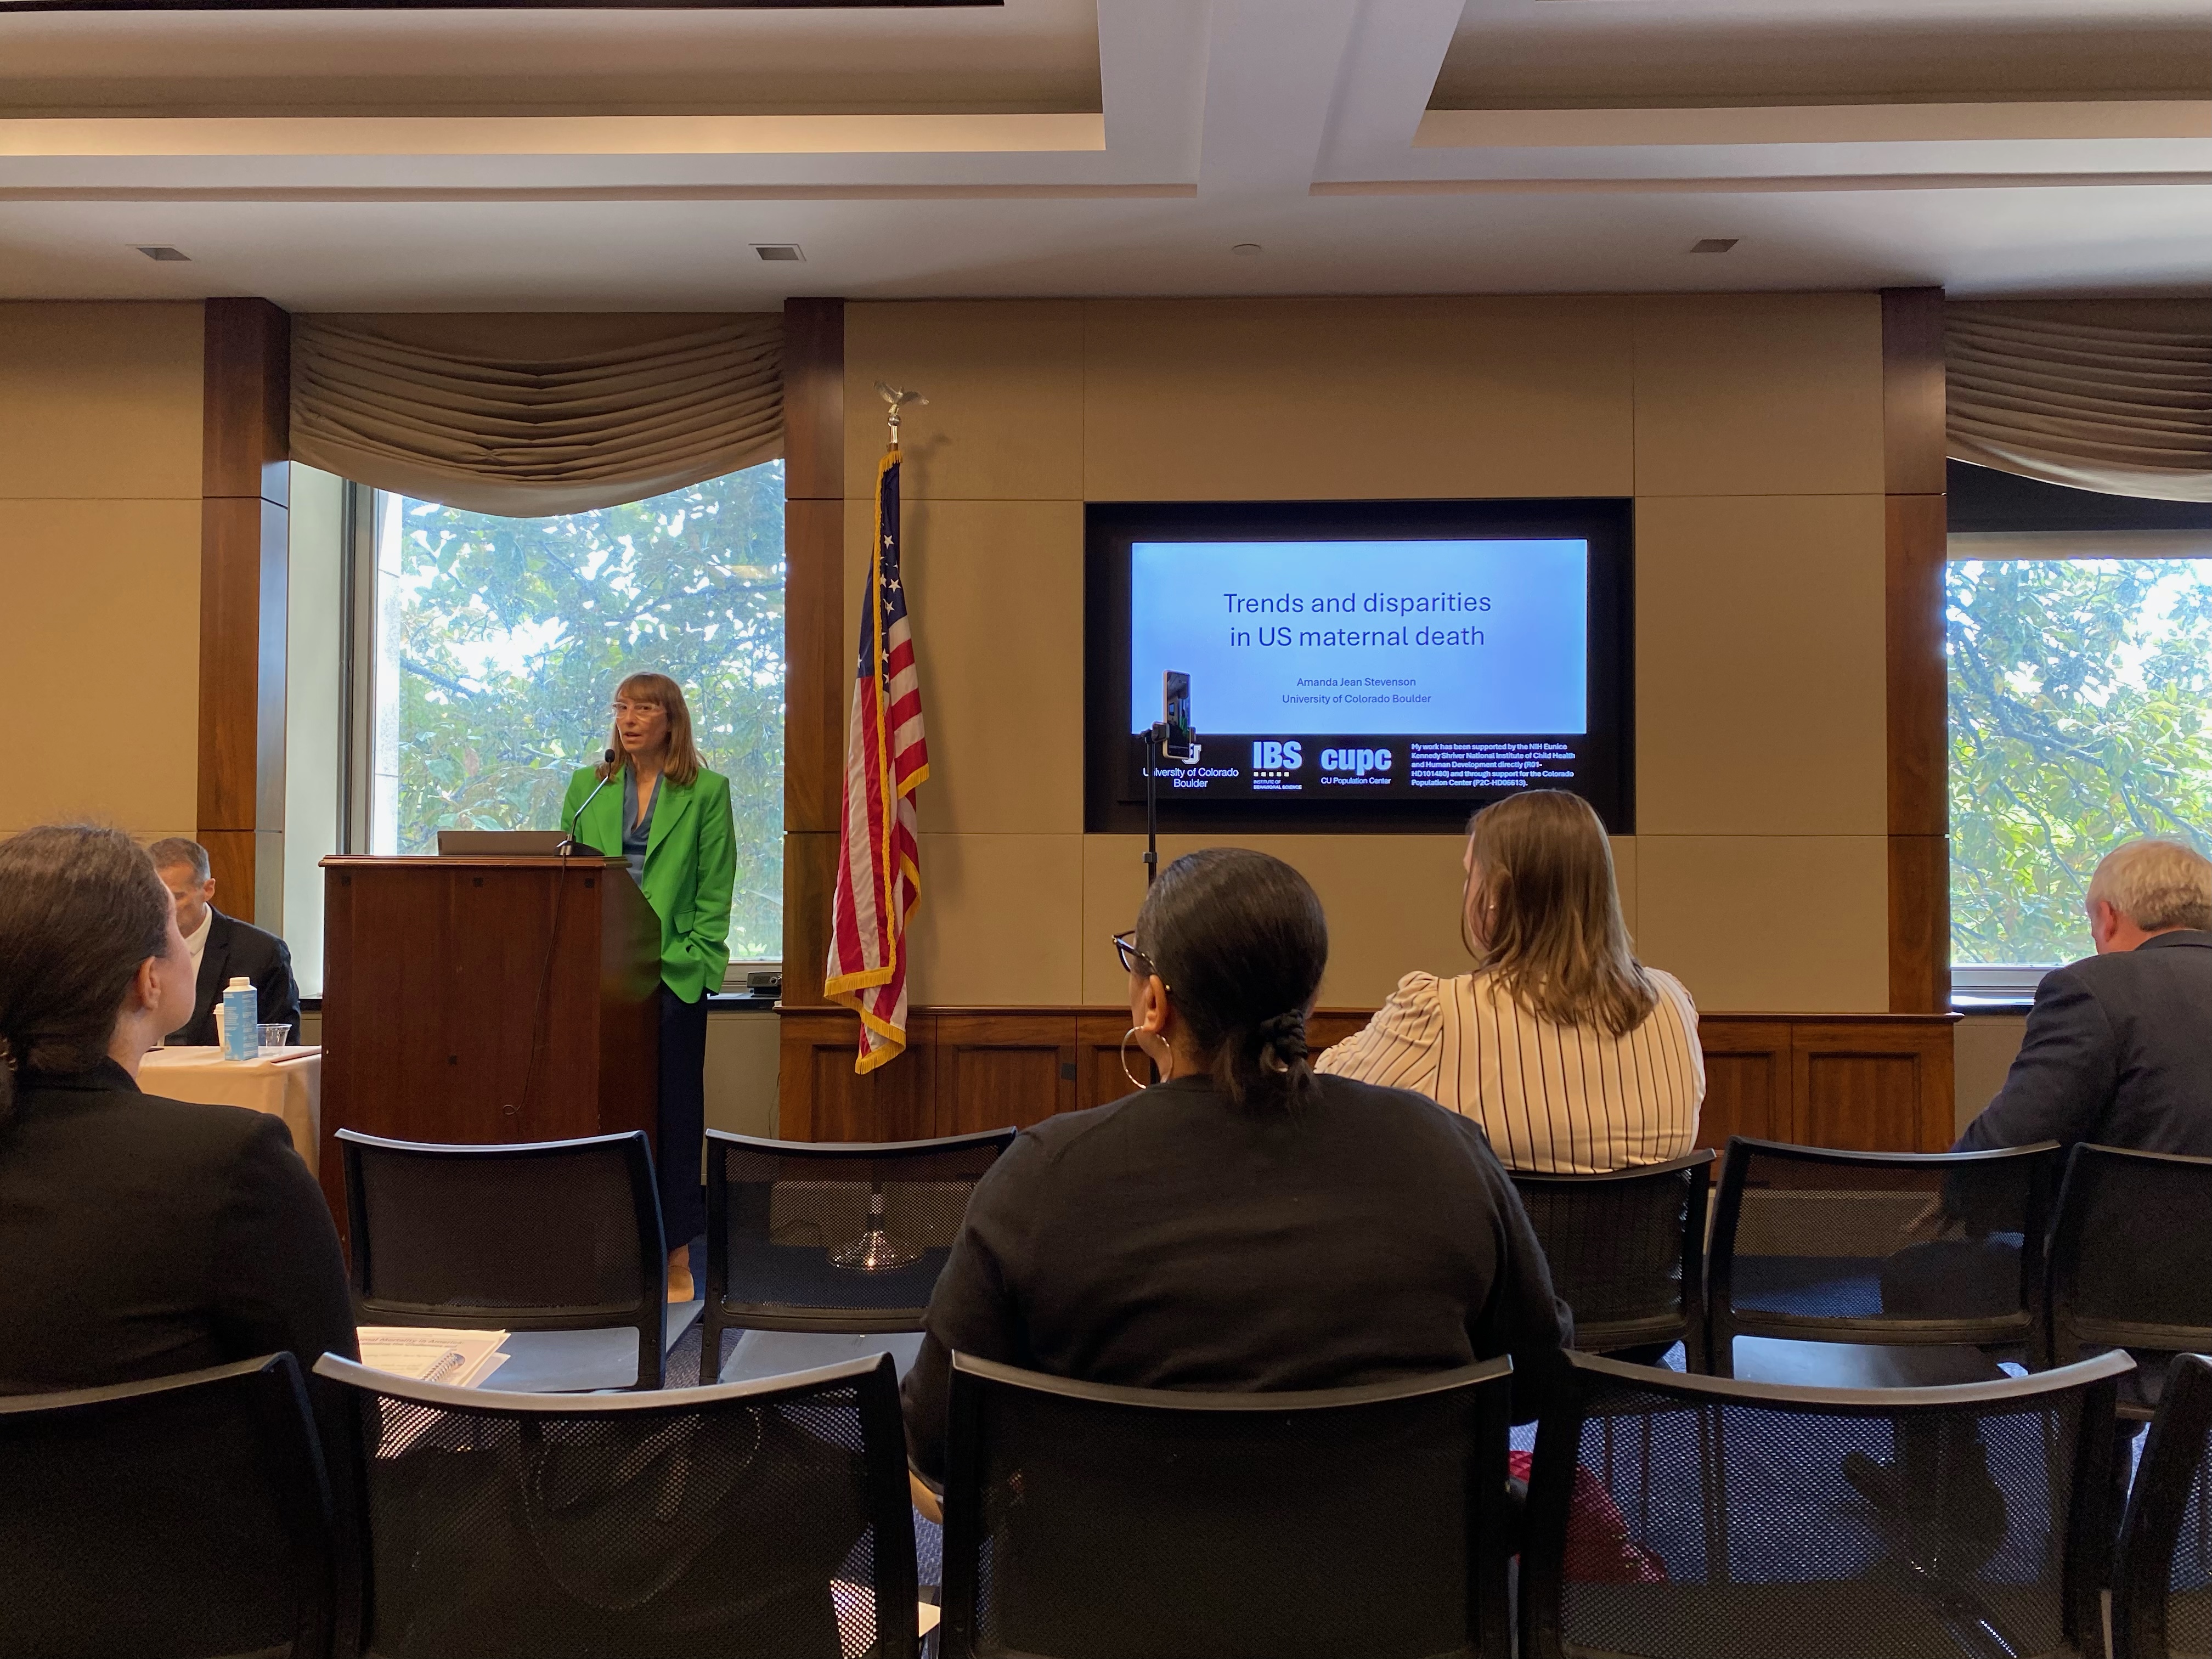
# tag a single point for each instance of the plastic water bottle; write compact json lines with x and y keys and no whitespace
{"x":241,"y":1016}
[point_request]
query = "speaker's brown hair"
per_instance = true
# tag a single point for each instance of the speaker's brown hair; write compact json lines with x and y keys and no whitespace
{"x":682,"y":767}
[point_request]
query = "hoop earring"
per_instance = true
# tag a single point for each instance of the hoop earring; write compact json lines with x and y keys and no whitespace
{"x":1125,"y":1071}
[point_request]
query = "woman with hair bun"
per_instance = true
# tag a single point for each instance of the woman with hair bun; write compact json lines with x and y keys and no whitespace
{"x":142,"y":1236}
{"x":1242,"y":1223}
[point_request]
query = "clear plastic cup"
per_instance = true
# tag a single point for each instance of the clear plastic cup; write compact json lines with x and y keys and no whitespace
{"x":273,"y":1036}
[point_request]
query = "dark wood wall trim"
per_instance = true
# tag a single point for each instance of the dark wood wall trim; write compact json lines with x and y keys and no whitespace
{"x":816,"y":671}
{"x":245,"y":560}
{"x":1870,"y":1081}
{"x":1914,"y":472}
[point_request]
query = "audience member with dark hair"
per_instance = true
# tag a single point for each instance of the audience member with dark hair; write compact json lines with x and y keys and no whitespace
{"x":1242,"y":1223}
{"x":222,"y":947}
{"x":141,"y":1237}
{"x":1575,"y":1056}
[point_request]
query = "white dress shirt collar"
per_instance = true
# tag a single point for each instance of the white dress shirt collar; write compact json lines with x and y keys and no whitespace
{"x":196,"y":941}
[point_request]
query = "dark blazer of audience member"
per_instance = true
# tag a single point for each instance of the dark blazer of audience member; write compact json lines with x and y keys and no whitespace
{"x":2118,"y":1046}
{"x":141,"y":1237}
{"x":1573,"y":1055}
{"x":222,"y":947}
{"x":1242,"y":1223}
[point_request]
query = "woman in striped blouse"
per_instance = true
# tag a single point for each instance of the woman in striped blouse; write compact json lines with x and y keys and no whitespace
{"x":1574,"y":1056}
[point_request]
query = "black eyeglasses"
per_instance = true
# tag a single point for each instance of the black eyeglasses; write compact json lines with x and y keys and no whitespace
{"x":1134,"y":960}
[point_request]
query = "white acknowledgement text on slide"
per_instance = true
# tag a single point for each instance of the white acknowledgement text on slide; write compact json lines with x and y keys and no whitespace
{"x":1365,"y":637}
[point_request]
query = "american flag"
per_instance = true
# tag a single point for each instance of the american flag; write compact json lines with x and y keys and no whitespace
{"x":878,"y":859}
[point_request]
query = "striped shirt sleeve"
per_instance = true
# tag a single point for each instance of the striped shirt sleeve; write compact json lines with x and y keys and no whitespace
{"x":1400,"y":1047}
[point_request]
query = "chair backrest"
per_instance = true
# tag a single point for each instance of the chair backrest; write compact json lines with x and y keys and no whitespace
{"x":781,"y":1213}
{"x":2162,"y":1582}
{"x":177,"y":1519}
{"x":549,"y":1236}
{"x":1627,"y":1251}
{"x":756,"y":1521}
{"x":1092,"y":1522}
{"x":2131,"y":1253}
{"x":1693,"y":1517}
{"x":1894,"y":1247}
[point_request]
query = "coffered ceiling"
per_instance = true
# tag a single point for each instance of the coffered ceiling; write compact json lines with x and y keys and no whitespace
{"x":633,"y":158}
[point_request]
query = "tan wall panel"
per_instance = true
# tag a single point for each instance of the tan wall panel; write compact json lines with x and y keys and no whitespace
{"x":1756,"y":924}
{"x":1759,"y":394}
{"x":99,"y":401}
{"x":999,"y":921}
{"x":1983,"y":1048}
{"x":101,"y":668}
{"x":996,"y":591}
{"x":1624,"y":878}
{"x":1004,"y":383}
{"x":1760,"y":690}
{"x":741,"y":1066}
{"x":1392,"y":902}
{"x":1307,"y":399}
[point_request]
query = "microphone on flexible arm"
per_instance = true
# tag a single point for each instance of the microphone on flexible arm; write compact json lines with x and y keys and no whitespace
{"x":569,"y":845}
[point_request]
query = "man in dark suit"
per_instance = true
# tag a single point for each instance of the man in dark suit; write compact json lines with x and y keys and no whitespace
{"x":2118,"y":1046}
{"x":223,"y":948}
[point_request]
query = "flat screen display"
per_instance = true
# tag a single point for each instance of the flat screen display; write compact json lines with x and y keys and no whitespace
{"x":1367,"y":663}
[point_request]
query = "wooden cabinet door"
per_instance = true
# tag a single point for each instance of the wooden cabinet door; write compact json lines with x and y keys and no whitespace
{"x":1099,"y":1057}
{"x":820,"y":1097}
{"x":1872,"y":1088}
{"x":1747,"y":1080}
{"x":994,"y":1069}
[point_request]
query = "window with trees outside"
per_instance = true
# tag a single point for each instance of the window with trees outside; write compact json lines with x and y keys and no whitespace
{"x":2080,"y":717}
{"x":498,"y":644}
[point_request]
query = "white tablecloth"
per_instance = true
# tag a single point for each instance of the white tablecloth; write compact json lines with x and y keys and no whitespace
{"x":286,"y":1082}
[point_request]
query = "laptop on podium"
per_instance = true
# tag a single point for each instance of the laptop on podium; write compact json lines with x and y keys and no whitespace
{"x":502,"y":843}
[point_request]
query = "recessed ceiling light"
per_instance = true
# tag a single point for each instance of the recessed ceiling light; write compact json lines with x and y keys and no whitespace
{"x":778,"y":250}
{"x":1245,"y":248}
{"x":164,"y":253}
{"x":1714,"y":244}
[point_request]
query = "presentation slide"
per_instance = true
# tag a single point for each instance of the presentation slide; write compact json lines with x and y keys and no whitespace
{"x":1354,"y":638}
{"x":1392,"y":667}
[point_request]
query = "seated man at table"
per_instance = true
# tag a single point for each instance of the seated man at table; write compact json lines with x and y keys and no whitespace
{"x":2118,"y":1046}
{"x":222,"y":947}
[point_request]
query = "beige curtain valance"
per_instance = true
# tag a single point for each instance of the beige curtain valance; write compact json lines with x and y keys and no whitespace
{"x":531,"y":413}
{"x":2111,"y":395}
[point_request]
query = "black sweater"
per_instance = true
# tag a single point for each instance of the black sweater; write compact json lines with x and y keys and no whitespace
{"x":142,"y":1236}
{"x":1172,"y":1240}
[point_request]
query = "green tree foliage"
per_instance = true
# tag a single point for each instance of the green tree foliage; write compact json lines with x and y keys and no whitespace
{"x":2080,"y":717}
{"x":510,"y":636}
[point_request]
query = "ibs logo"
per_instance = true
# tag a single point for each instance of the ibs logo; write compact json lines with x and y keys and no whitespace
{"x":1270,"y":757}
{"x":1357,"y":762}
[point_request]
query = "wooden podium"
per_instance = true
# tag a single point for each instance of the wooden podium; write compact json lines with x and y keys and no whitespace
{"x":454,"y":1008}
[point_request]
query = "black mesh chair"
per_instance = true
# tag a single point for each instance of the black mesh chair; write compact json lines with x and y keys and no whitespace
{"x":2131,"y":1262}
{"x":1698,"y":1517}
{"x":1627,"y":1253}
{"x":2162,"y":1585}
{"x":1091,"y":1522}
{"x":768,"y":1521}
{"x":830,"y":1239}
{"x":556,"y":1236}
{"x":1893,"y":1250}
{"x":177,"y":1519}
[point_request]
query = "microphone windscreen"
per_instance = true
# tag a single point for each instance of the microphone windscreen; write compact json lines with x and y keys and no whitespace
{"x":610,"y":757}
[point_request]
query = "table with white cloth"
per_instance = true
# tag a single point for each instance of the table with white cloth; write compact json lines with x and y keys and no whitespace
{"x":286,"y":1082}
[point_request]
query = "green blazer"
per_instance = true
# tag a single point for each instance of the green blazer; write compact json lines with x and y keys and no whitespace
{"x":691,"y":863}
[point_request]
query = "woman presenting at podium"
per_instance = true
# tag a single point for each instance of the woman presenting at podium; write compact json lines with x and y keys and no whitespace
{"x":670,"y":821}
